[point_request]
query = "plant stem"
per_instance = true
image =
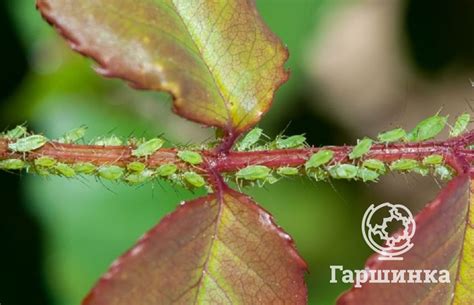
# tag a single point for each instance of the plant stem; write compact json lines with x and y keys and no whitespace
{"x":454,"y":151}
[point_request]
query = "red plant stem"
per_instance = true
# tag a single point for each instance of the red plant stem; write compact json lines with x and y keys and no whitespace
{"x":454,"y":150}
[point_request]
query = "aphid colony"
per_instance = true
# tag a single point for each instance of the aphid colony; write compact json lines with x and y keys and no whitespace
{"x":134,"y":173}
{"x":320,"y":166}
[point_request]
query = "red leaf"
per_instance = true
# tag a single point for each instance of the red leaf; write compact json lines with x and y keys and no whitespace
{"x":443,"y":240}
{"x":213,"y":250}
{"x":218,"y":59}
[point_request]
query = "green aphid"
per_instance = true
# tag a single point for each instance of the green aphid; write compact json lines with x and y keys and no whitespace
{"x":271,"y":179}
{"x":253,"y":172}
{"x":109,"y":141}
{"x":287,"y":171}
{"x":363,"y":146}
{"x":322,"y":157}
{"x":432,"y":160}
{"x":136,"y":166}
{"x":421,"y":170}
{"x":74,"y":135}
{"x":12,"y":164}
{"x":290,"y":142}
{"x":460,"y":125}
{"x":404,"y":165}
{"x":111,"y":172}
{"x":343,"y":171}
{"x":28,"y":144}
{"x":190,"y":157}
{"x":443,"y":172}
{"x":250,"y":139}
{"x":41,"y":171}
{"x":395,"y":135}
{"x":139,"y":178}
{"x":319,"y":174}
{"x":45,"y":162}
{"x":176,"y":179}
{"x":16,"y":132}
{"x":84,"y":168}
{"x":194,"y":179}
{"x":65,"y":170}
{"x":166,"y":170}
{"x":428,"y":128}
{"x":148,"y":148}
{"x":367,"y":175}
{"x":375,"y":165}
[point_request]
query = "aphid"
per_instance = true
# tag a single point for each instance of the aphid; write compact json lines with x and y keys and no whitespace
{"x":367,"y":175}
{"x":45,"y":162}
{"x":253,"y":172}
{"x":250,"y":139}
{"x":65,"y":170}
{"x":136,"y":166}
{"x":148,"y":148}
{"x":194,"y":179}
{"x":343,"y":171}
{"x":109,"y":141}
{"x":287,"y":171}
{"x":363,"y":146}
{"x":190,"y":157}
{"x":443,"y":172}
{"x":176,"y":179}
{"x":460,"y":125}
{"x":375,"y":165}
{"x":432,"y":160}
{"x":166,"y":170}
{"x":84,"y":168}
{"x":12,"y":164}
{"x":28,"y":144}
{"x":139,"y":178}
{"x":74,"y":135}
{"x":320,"y":158}
{"x":290,"y":142}
{"x":404,"y":165}
{"x":428,"y":128}
{"x":16,"y":132}
{"x":394,"y":135}
{"x":318,"y":174}
{"x":421,"y":170}
{"x":271,"y":179}
{"x":111,"y":172}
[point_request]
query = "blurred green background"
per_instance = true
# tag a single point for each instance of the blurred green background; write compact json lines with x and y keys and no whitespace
{"x":358,"y":67}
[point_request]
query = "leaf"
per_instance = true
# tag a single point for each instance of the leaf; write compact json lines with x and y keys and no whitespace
{"x":444,"y":239}
{"x":218,"y":59}
{"x":220,"y":249}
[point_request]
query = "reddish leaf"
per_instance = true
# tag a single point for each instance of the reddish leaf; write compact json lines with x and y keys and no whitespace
{"x":213,"y":250}
{"x":217,"y":58}
{"x":444,"y":239}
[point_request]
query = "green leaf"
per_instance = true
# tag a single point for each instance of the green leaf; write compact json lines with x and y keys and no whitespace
{"x":218,"y":59}
{"x":220,"y":249}
{"x":443,"y":240}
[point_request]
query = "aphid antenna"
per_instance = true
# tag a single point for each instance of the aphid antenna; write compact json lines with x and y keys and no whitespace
{"x":101,"y":181}
{"x":330,"y":181}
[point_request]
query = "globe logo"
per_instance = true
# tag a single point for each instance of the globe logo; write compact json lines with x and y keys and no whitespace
{"x":377,"y":235}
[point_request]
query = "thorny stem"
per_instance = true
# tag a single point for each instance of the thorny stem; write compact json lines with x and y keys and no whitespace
{"x":455,"y":151}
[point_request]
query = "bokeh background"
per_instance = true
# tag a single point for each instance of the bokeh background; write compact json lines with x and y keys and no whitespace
{"x":358,"y":67}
